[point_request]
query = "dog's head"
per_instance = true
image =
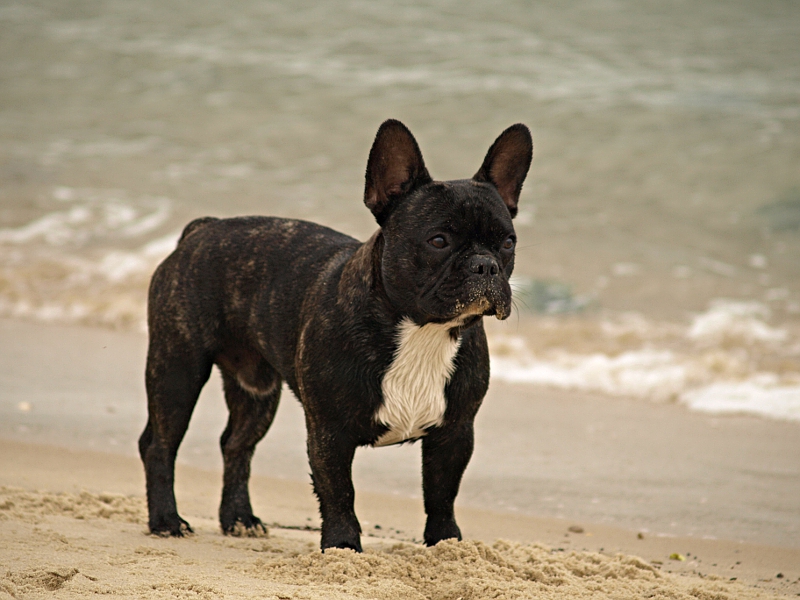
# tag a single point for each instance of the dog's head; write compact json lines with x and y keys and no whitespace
{"x":448,"y":246}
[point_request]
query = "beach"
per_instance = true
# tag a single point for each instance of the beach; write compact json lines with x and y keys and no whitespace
{"x":716,"y":493}
{"x":641,"y":433}
{"x":87,"y":535}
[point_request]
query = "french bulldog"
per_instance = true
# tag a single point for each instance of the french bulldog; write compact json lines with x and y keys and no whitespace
{"x":381,"y":341}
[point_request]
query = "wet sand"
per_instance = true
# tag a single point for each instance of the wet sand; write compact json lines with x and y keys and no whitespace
{"x":631,"y":463}
{"x":545,"y":461}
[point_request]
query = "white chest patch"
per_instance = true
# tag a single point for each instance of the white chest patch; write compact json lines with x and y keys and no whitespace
{"x":413,"y":387}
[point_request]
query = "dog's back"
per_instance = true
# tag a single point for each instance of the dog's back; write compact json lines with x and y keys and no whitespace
{"x":226,"y":275}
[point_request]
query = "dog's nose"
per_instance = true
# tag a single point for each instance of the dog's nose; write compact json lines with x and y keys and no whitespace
{"x":482,"y":264}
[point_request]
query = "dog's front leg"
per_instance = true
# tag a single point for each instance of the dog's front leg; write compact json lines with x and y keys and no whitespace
{"x":330,"y":453}
{"x":445,"y":454}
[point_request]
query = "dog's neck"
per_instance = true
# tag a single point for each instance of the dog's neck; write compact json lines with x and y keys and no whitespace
{"x":413,"y":386}
{"x":362,"y":268}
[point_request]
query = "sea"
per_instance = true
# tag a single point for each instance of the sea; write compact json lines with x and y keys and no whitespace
{"x":659,"y":227}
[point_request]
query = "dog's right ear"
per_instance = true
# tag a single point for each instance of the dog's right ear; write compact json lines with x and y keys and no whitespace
{"x":395,"y":168}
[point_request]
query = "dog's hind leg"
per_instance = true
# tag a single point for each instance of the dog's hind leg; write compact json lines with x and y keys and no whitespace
{"x":252,"y":409}
{"x":174,"y":377}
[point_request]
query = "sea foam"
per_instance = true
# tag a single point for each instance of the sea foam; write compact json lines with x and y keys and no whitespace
{"x":705,"y":370}
{"x":86,"y":261}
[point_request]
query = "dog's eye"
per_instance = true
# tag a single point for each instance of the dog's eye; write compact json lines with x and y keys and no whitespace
{"x":509,"y":243}
{"x":438,"y":242}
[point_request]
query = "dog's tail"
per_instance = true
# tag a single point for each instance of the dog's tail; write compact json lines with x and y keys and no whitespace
{"x":194,"y":225}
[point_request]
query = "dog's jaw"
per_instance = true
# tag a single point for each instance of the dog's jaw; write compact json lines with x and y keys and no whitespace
{"x":481,"y":307}
{"x":413,"y":386}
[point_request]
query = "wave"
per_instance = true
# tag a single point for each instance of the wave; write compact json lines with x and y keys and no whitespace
{"x":88,"y":261}
{"x":714,"y":365}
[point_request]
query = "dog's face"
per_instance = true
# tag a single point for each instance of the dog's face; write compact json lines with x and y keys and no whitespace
{"x":448,"y":246}
{"x":448,"y":252}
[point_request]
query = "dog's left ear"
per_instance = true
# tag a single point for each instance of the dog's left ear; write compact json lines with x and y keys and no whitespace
{"x":395,"y":168}
{"x":507,"y":163}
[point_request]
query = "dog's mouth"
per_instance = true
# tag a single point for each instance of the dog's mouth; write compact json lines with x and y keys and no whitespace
{"x":489,"y":303}
{"x":468,"y":300}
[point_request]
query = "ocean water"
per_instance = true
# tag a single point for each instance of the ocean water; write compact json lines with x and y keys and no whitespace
{"x":728,"y":360}
{"x":659,"y":227}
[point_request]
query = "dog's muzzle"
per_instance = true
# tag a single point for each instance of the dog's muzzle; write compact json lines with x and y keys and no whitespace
{"x":487,"y":291}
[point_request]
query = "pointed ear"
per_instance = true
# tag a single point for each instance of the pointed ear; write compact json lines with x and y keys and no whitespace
{"x":507,"y":163}
{"x":394,"y":169}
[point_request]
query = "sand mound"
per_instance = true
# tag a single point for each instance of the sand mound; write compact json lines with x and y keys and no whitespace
{"x":474,"y":570}
{"x":17,"y":503}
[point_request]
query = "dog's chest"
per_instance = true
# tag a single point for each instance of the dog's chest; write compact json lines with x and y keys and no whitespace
{"x":413,"y":387}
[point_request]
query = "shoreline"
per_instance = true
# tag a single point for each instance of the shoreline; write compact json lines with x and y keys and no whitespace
{"x":648,"y":467}
{"x":289,"y":509}
{"x":73,"y":405}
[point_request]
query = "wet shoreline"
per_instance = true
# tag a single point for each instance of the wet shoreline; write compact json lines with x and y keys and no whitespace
{"x":619,"y":461}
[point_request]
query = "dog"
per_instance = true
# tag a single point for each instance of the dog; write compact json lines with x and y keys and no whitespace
{"x":382,"y":341}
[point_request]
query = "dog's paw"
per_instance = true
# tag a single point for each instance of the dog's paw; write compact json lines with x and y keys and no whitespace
{"x":170,"y":526}
{"x":354,"y":545}
{"x":436,"y":531}
{"x":248,"y":526}
{"x":346,"y":536}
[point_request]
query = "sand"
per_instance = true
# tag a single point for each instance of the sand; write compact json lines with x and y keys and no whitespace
{"x":66,"y":543}
{"x":646,"y":467}
{"x":73,"y":522}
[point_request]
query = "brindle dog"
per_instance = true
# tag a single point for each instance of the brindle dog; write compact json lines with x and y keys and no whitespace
{"x":382,"y":341}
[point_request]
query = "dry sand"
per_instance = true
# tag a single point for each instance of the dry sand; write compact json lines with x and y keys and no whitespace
{"x":84,"y":532}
